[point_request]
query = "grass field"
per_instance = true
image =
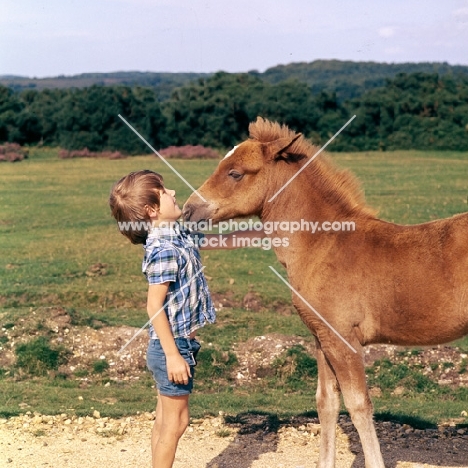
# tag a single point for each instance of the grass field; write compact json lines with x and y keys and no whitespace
{"x":55,"y":223}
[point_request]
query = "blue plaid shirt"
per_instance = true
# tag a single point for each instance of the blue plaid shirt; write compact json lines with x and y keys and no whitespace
{"x":171,"y":254}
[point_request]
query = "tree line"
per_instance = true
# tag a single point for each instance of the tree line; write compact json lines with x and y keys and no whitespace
{"x":411,"y":111}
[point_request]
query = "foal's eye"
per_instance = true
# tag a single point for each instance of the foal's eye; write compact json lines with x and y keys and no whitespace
{"x":235,"y":175}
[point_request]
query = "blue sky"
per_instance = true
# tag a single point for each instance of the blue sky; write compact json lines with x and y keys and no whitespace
{"x":47,"y":38}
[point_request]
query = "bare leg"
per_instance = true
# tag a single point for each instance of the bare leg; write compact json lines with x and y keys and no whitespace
{"x":172,"y":418}
{"x":156,"y":427}
{"x":328,"y":406}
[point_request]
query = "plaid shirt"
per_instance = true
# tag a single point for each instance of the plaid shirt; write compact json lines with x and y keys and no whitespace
{"x":171,"y":254}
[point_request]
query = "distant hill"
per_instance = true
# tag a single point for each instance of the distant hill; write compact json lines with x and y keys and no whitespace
{"x":163,"y":83}
{"x":352,"y":79}
{"x":347,"y":79}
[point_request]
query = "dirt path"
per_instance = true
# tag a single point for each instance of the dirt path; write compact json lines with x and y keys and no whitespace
{"x":35,"y":441}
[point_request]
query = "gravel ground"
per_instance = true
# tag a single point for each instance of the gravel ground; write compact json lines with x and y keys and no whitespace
{"x":35,"y":440}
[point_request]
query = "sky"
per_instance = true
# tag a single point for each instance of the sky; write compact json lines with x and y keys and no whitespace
{"x":41,"y":38}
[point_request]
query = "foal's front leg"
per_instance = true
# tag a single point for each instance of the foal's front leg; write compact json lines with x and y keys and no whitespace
{"x":328,"y":406}
{"x":349,"y":370}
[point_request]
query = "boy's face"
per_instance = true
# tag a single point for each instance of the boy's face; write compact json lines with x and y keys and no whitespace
{"x":168,"y":208}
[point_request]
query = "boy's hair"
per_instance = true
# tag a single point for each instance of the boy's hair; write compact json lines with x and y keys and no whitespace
{"x":128,"y":199}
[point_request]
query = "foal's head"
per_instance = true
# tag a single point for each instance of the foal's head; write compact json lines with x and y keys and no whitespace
{"x":245,"y":178}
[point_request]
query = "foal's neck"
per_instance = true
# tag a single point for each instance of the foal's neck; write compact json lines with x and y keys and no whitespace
{"x":305,"y":201}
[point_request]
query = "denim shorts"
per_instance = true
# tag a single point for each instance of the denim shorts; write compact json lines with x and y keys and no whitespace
{"x":156,"y":362}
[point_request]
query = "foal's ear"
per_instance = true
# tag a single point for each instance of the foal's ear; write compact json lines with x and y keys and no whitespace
{"x":273,"y":149}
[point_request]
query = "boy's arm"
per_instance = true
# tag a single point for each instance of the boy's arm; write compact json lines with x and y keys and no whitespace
{"x":178,"y":370}
{"x":227,"y":241}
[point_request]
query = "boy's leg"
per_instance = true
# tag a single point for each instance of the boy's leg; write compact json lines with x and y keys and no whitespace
{"x":156,"y":426}
{"x":168,"y":428}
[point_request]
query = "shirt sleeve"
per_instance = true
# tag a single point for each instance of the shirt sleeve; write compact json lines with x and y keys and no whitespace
{"x":162,"y":266}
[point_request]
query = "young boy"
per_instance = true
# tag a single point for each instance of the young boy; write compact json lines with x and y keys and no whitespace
{"x":178,"y":300}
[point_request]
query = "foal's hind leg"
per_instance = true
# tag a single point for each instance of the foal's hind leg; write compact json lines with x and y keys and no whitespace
{"x":349,"y":370}
{"x":328,"y":406}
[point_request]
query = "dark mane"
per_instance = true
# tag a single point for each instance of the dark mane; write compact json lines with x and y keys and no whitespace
{"x":340,"y":184}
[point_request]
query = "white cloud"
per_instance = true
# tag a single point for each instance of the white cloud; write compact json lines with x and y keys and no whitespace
{"x":387,"y":31}
{"x":461,"y":12}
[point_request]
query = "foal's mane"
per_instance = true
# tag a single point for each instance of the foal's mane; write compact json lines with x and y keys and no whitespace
{"x":339,"y":186}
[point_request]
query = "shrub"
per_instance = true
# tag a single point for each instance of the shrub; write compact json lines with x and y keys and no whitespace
{"x":388,"y":375}
{"x":81,"y":372}
{"x":463,"y":366}
{"x":189,"y":152}
{"x":295,"y":366}
{"x":100,"y":366}
{"x":36,"y":357}
{"x":85,"y":153}
{"x":214,"y":363}
{"x":12,"y":152}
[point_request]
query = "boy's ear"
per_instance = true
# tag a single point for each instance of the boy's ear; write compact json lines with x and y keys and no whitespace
{"x":151,"y":211}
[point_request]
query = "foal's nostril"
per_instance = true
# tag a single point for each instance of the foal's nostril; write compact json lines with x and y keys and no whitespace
{"x":187,"y":212}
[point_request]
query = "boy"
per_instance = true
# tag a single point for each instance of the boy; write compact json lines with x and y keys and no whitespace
{"x":172,"y":267}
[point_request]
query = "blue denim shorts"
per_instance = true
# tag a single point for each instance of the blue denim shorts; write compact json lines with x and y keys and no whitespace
{"x":156,"y":362}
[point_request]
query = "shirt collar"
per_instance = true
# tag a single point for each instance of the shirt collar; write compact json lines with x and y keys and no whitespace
{"x":169,"y":230}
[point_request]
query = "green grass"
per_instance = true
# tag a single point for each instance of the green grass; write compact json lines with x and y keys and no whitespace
{"x":411,"y":187}
{"x":117,"y":401}
{"x":419,"y":411}
{"x":55,"y":224}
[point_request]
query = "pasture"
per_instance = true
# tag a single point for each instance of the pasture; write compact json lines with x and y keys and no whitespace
{"x":55,"y":226}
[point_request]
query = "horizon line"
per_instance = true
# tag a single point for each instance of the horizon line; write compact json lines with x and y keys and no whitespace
{"x":6,"y":76}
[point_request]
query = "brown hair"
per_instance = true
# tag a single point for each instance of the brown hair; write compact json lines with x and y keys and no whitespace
{"x":128,"y":199}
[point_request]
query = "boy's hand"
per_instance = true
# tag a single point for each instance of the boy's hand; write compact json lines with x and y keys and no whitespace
{"x":178,"y":370}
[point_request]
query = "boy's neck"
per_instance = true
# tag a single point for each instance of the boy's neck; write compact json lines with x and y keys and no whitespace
{"x":164,"y":223}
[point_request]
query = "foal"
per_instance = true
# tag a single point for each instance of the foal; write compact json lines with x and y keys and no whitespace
{"x":378,"y":283}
